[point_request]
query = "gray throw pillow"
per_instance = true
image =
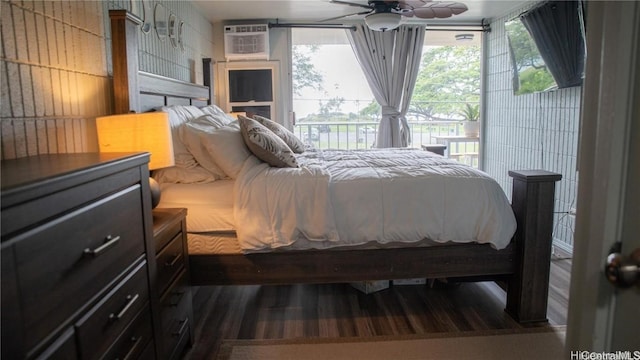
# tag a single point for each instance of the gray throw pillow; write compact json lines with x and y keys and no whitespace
{"x":283,"y":133}
{"x":266,"y":145}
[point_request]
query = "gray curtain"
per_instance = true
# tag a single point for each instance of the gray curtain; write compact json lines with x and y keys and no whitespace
{"x":556,"y":28}
{"x":390,"y":61}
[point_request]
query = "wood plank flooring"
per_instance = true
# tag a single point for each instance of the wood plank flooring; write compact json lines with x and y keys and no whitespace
{"x":339,"y":310}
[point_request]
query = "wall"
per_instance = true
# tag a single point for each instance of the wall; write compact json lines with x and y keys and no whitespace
{"x":55,"y":69}
{"x":54,"y":76}
{"x":535,"y":131}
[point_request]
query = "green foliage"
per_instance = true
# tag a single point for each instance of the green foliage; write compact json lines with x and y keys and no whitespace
{"x":371,"y":111}
{"x":331,"y":106}
{"x":449,"y":76}
{"x":524,"y":48}
{"x":471,"y":112}
{"x":304,"y":73}
{"x":530,"y":72}
{"x":535,"y":80}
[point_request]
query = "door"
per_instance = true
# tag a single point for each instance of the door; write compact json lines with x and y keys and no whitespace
{"x":601,"y":316}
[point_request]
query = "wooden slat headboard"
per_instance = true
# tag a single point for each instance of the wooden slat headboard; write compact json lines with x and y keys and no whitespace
{"x":138,"y":91}
{"x":156,"y":90}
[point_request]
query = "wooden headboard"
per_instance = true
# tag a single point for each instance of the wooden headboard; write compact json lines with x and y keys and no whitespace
{"x":139,"y":91}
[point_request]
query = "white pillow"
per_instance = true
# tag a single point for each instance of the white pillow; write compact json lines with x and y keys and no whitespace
{"x":177,"y":175}
{"x":208,"y":120}
{"x":283,"y":133}
{"x":266,"y":145}
{"x":192,"y":135}
{"x":225,"y":148}
{"x":178,"y":115}
{"x":217,"y":113}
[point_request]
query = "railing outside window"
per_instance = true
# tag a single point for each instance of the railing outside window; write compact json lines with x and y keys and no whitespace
{"x":362,"y":135}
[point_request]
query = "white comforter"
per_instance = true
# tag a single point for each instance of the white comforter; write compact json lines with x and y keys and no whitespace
{"x":339,"y":198}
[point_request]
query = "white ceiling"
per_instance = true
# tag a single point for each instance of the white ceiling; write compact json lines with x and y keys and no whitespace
{"x":316,"y":10}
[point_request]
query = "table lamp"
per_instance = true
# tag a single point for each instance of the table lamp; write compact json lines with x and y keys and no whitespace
{"x":133,"y":132}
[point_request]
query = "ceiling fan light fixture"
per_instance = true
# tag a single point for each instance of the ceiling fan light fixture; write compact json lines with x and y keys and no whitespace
{"x":382,"y":21}
{"x":464,"y":37}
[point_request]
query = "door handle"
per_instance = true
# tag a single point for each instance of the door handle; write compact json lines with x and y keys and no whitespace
{"x":623,"y":271}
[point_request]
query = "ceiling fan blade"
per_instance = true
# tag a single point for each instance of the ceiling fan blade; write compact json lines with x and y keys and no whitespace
{"x":458,"y":8}
{"x":412,"y":4}
{"x":350,"y":3}
{"x":439,"y":10}
{"x":347,"y":15}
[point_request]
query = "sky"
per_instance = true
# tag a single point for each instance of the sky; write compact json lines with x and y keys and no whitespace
{"x":343,"y":77}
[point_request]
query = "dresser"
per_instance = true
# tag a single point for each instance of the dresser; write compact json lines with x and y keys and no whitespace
{"x":176,"y":310}
{"x":78,"y":258}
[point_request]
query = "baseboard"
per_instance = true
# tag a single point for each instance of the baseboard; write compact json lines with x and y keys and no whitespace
{"x":561,"y":250}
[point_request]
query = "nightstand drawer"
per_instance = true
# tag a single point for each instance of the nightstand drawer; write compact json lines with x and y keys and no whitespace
{"x":170,"y":261}
{"x":175,"y":309}
{"x":133,"y":341}
{"x":172,"y":278}
{"x":64,"y":263}
{"x":168,"y":235}
{"x":100,"y":326}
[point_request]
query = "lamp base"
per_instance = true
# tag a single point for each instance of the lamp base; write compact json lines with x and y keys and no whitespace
{"x":154,"y":188}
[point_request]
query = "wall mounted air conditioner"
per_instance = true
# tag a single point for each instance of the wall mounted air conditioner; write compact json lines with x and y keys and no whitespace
{"x":246,"y":42}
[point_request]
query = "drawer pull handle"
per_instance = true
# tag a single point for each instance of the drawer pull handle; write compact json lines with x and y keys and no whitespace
{"x":183,"y":326}
{"x":111,"y":241}
{"x":173,"y":261}
{"x":136,"y":342}
{"x":176,"y":296}
{"x":130,"y":300}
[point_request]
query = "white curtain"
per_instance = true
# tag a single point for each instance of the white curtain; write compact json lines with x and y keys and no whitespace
{"x":390,"y":61}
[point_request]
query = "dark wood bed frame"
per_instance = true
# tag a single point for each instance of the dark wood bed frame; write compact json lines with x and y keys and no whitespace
{"x":522,"y":267}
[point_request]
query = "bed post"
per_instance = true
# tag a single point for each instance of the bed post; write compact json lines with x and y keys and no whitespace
{"x":207,"y":72}
{"x":124,"y":52}
{"x":532,"y":201}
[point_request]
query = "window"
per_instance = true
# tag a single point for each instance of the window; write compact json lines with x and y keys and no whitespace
{"x":331,"y":97}
{"x":335,"y":108}
{"x":546,"y":46}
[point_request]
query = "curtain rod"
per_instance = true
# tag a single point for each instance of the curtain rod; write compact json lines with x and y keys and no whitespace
{"x":311,"y":25}
{"x":458,"y":29}
{"x":469,"y":28}
{"x":482,"y":27}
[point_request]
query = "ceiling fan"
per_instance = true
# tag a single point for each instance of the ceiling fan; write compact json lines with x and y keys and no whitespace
{"x":386,"y":15}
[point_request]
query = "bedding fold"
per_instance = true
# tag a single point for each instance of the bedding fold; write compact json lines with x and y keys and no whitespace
{"x":353,"y":197}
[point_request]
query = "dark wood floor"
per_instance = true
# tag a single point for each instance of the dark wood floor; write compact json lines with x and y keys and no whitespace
{"x":339,"y":310}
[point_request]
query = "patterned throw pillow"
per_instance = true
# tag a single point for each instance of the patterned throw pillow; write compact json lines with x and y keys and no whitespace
{"x":266,"y":145}
{"x":289,"y":138}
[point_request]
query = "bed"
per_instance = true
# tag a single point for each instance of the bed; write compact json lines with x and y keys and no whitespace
{"x":521,"y":264}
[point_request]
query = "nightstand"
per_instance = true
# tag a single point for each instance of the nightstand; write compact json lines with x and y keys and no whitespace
{"x":172,"y":281}
{"x":435,"y":148}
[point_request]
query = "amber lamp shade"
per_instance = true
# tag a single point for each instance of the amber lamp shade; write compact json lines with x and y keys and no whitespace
{"x":149,"y":132}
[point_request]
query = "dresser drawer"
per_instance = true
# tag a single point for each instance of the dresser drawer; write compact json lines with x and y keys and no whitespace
{"x":66,"y":262}
{"x":102,"y":324}
{"x":170,"y":261}
{"x":64,"y":348}
{"x":134,"y":340}
{"x":149,"y":352}
{"x":175,"y":307}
